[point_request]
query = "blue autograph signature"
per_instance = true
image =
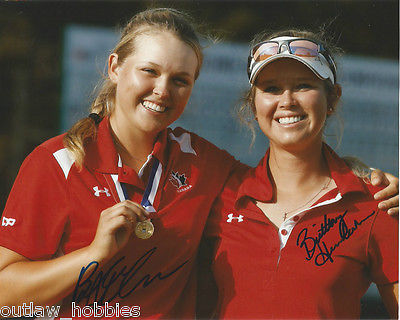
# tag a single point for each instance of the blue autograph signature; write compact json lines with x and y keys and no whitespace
{"x":316,"y":248}
{"x":97,"y":286}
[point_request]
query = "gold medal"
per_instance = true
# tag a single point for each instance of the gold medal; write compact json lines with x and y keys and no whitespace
{"x":144,"y":229}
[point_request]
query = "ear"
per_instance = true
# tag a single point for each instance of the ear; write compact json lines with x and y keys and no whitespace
{"x":113,"y":67}
{"x":334,"y":98}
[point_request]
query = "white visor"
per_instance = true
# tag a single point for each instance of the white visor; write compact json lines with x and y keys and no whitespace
{"x":319,"y":64}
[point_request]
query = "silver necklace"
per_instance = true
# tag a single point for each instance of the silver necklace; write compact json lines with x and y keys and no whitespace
{"x":286,"y":213}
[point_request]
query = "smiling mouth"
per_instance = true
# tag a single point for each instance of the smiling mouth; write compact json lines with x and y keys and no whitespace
{"x":153,"y":107}
{"x":290,"y":120}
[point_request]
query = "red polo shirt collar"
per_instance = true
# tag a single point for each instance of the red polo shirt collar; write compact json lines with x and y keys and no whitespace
{"x":258,"y":183}
{"x":102,"y":156}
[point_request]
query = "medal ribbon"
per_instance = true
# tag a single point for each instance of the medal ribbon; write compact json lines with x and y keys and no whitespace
{"x":151,"y":188}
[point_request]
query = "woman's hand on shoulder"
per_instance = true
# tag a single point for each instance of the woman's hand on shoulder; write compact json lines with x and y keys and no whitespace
{"x":390,"y":194}
{"x":116,"y":225}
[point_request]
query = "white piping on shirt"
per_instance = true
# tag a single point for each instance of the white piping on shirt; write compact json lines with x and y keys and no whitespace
{"x":154,"y":188}
{"x":185,"y":142}
{"x":118,"y":187}
{"x":289,"y":224}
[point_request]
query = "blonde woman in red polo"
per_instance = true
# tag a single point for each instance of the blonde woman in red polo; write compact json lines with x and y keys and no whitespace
{"x":300,"y":236}
{"x":113,"y":211}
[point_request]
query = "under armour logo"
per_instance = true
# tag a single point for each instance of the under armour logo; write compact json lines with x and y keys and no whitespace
{"x":97,"y":191}
{"x":231,"y":217}
{"x":7,"y":222}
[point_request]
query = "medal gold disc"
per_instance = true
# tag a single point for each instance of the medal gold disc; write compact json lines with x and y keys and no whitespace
{"x":144,"y":229}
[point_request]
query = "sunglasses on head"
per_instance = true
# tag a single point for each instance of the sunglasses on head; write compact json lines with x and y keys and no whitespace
{"x":303,"y":48}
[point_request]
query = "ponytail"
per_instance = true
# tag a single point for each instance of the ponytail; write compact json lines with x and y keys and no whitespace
{"x":85,"y":130}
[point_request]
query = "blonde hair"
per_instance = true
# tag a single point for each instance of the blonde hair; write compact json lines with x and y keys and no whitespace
{"x":159,"y":19}
{"x":359,"y":168}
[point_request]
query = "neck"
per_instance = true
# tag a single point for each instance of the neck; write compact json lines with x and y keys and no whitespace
{"x":298,"y":171}
{"x":132,"y":145}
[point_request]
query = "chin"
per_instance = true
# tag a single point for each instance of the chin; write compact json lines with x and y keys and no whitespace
{"x":288,"y":141}
{"x":299,"y":144}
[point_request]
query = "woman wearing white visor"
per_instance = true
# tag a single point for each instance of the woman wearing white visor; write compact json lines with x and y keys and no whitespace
{"x":300,"y":235}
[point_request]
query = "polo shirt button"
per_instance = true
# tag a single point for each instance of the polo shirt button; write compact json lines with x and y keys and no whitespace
{"x":284,"y":232}
{"x":296,"y":218}
{"x":125,"y":173}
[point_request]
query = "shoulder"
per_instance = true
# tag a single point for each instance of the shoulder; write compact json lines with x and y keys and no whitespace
{"x":192,"y":143}
{"x":230,"y":193}
{"x":383,"y":220}
{"x":45,"y":150}
{"x":350,"y":175}
{"x":50,"y":154}
{"x":365,"y":207}
{"x":187,"y":139}
{"x":365,"y":194}
{"x":371,"y":189}
{"x":53,"y":144}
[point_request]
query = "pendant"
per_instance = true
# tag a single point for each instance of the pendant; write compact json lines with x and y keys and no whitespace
{"x":144,"y":229}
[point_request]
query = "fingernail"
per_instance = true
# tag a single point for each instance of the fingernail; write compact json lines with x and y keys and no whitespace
{"x":382,"y":206}
{"x":374,"y":181}
{"x":376,"y":196}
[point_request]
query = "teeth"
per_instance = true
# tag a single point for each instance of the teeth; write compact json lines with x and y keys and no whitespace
{"x":288,"y":120}
{"x":153,"y":107}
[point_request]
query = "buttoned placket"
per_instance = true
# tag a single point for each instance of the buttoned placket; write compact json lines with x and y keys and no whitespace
{"x":125,"y":177}
{"x":287,"y":226}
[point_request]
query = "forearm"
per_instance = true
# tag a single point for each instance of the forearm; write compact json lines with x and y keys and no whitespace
{"x":42,"y":282}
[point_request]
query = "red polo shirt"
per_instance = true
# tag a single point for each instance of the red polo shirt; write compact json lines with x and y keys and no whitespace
{"x":317,"y":265}
{"x":53,"y":208}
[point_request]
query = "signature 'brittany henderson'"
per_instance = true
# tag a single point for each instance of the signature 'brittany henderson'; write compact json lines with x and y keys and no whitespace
{"x":316,"y":248}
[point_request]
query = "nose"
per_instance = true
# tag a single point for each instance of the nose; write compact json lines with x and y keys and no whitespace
{"x":161,"y":88}
{"x":287,"y":99}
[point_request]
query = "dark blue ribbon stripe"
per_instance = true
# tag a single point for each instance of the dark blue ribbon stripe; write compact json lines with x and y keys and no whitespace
{"x":145,"y":200}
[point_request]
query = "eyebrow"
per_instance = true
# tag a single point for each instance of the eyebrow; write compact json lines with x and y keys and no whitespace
{"x":182,"y":73}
